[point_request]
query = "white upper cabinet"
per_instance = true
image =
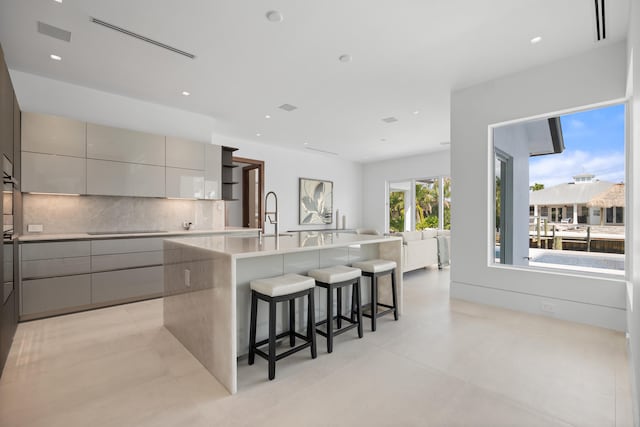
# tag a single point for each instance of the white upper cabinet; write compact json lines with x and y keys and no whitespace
{"x":42,"y":133}
{"x":185,"y":183}
{"x":48,"y":173}
{"x":122,"y":145}
{"x":124,"y":179}
{"x":212,"y":171}
{"x":185,"y":154}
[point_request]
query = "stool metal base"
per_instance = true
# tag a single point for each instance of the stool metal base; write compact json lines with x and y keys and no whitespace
{"x":355,"y":320}
{"x":309,"y":339}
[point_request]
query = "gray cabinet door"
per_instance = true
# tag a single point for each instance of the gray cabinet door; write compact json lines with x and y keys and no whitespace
{"x":49,"y":173}
{"x":55,"y":294}
{"x":185,"y":154}
{"x":55,"y":267}
{"x":122,"y":261}
{"x":43,"y":133}
{"x":112,"y":286}
{"x":124,"y":179}
{"x":123,"y":145}
{"x":123,"y":246}
{"x":49,"y":250}
{"x":185,"y":183}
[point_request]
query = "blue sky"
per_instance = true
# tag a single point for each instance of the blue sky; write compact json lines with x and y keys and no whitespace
{"x":594,"y":143}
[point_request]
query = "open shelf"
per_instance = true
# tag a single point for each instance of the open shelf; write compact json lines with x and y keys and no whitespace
{"x":227,"y":173}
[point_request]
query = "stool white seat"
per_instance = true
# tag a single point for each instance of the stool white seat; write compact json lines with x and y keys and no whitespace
{"x":286,"y":288}
{"x":375,"y":265}
{"x":339,"y":277}
{"x":282,"y":285}
{"x":373,"y":269}
{"x":336,"y":274}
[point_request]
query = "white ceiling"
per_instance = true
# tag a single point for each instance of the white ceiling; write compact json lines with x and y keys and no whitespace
{"x":407,"y":56}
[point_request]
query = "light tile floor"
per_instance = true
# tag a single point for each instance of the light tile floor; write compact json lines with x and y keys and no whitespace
{"x":445,"y":363}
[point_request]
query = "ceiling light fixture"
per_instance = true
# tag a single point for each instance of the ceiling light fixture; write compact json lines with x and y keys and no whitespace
{"x":536,"y":40}
{"x":305,"y":143}
{"x":258,"y":134}
{"x":58,"y":1}
{"x":416,"y":112}
{"x":267,"y":116}
{"x":185,"y":93}
{"x":55,"y":57}
{"x":274,"y":16}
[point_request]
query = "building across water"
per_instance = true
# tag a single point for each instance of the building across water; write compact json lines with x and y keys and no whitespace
{"x":586,"y":200}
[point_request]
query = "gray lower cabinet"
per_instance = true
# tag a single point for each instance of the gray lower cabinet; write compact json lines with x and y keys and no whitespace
{"x":54,"y":295}
{"x":67,"y":276}
{"x":121,"y":285}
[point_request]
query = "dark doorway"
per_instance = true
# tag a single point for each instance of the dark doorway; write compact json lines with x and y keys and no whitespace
{"x":252,"y":192}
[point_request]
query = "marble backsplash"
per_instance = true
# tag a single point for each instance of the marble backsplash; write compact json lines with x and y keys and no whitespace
{"x":81,"y":214}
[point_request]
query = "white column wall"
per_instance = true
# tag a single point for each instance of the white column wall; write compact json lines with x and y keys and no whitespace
{"x":594,"y":77}
{"x":632,"y":212}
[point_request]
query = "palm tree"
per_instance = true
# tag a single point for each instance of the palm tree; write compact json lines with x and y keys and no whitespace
{"x":396,"y":211}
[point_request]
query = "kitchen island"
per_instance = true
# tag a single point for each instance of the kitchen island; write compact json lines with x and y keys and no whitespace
{"x":207,"y":295}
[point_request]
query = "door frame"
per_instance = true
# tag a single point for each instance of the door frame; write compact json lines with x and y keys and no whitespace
{"x":253,"y":164}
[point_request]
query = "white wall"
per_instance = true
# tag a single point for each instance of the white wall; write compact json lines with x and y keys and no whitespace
{"x":633,"y":203}
{"x":283,"y":167}
{"x":596,"y":76}
{"x":376,"y":175}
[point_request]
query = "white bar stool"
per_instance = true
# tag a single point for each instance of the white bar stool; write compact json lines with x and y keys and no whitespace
{"x":374,"y":269}
{"x":339,"y":277}
{"x":274,"y":290}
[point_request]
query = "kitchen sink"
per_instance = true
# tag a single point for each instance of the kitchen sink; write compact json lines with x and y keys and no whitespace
{"x":99,"y":233}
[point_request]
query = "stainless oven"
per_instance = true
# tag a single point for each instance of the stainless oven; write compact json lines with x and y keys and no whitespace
{"x":8,"y":186}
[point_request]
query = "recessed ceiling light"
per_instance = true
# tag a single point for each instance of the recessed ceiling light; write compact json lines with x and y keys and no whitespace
{"x":267,"y":116}
{"x":536,"y":39}
{"x":345,"y":58}
{"x":258,"y":134}
{"x":58,"y":1}
{"x":306,"y":143}
{"x":274,"y":16}
{"x":416,"y":112}
{"x":55,"y":57}
{"x":185,"y":93}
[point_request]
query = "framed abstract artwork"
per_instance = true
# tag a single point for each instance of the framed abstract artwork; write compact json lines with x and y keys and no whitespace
{"x":316,"y":201}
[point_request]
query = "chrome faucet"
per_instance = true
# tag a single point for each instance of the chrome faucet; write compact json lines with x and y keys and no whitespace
{"x":267,"y":213}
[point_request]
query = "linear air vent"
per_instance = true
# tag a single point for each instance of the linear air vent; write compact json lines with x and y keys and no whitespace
{"x":389,"y":119}
{"x":601,"y":26}
{"x":322,"y":151}
{"x":143,"y":38}
{"x":55,"y":32}
{"x":288,"y":107}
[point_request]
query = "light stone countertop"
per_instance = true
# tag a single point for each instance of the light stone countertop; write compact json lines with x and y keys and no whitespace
{"x":36,"y":237}
{"x":251,"y":246}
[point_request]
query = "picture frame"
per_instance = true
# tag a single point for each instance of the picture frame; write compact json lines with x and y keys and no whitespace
{"x":316,"y":201}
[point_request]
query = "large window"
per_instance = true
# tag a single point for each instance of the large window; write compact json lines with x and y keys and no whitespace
{"x":559,"y":192}
{"x":417,"y":204}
